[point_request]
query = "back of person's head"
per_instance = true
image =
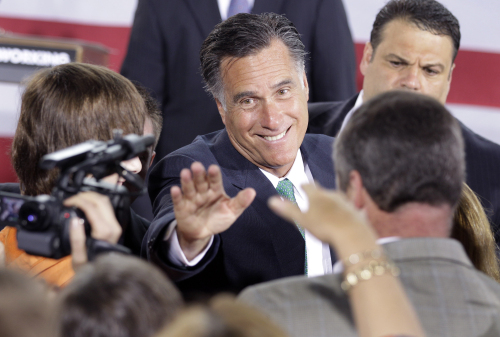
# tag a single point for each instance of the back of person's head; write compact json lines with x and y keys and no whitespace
{"x":67,"y":105}
{"x":472,"y":228}
{"x":154,"y":114}
{"x":428,"y":15}
{"x":24,"y":306}
{"x":243,"y":35}
{"x":406,"y":147}
{"x":223,"y":317}
{"x":118,"y":296}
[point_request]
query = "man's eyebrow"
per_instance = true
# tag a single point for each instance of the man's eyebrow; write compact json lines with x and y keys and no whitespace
{"x":282,"y":83}
{"x":439,"y":65}
{"x":240,"y":95}
{"x":399,"y":58}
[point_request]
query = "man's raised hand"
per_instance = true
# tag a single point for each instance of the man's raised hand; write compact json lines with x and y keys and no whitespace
{"x":331,"y":217}
{"x":202,"y":208}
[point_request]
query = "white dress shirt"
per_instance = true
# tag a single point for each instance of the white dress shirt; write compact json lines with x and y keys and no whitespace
{"x":319,"y":261}
{"x":358,"y":103}
{"x":224,"y":7}
{"x":318,"y":254}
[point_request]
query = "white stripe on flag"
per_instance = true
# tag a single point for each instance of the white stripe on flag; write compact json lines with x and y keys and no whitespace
{"x":481,"y":120}
{"x":89,"y":12}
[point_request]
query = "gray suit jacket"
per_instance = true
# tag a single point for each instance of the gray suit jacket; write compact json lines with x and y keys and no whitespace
{"x":450,"y":296}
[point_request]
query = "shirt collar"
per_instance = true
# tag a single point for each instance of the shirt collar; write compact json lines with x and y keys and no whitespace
{"x":296,"y":175}
{"x":338,"y":266}
{"x":359,"y":102}
{"x":224,"y":7}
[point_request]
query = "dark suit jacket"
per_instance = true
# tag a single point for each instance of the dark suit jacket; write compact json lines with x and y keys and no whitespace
{"x":481,"y":155}
{"x":164,"y":48}
{"x":259,"y":246}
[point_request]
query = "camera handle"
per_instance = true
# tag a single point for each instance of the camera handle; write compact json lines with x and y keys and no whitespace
{"x":96,"y":247}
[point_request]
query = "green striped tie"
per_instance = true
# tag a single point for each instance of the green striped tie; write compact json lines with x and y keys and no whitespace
{"x":285,"y":189}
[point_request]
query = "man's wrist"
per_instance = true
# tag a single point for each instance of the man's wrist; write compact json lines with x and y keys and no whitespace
{"x":191,"y":248}
{"x":352,"y":242}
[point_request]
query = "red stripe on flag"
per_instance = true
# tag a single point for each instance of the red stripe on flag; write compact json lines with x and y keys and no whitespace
{"x":476,"y":78}
{"x":115,"y":38}
{"x":7,"y":173}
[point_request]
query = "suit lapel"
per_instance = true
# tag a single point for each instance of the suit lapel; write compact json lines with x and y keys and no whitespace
{"x":335,"y":123}
{"x":207,"y":14}
{"x":288,"y":243}
{"x":238,"y":172}
{"x":318,"y":155}
{"x":327,"y":117}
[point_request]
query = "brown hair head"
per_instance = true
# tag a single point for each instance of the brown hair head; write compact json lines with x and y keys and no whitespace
{"x":153,"y":110}
{"x":472,"y":228}
{"x":117,"y":296}
{"x":67,"y":105}
{"x":223,"y":317}
{"x":25,"y":307}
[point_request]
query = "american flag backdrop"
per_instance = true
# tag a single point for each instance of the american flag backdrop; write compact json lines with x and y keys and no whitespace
{"x":475,"y":92}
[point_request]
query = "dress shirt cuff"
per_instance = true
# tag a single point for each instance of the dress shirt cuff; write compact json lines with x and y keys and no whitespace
{"x":175,"y":254}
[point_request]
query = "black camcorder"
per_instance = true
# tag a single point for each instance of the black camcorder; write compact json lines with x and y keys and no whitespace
{"x":42,"y":221}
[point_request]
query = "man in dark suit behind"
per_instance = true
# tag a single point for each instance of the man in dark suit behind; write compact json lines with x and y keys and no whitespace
{"x":165,"y":42}
{"x":215,"y":232}
{"x":413,"y":46}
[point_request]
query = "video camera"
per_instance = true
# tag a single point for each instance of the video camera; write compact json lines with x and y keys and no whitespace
{"x":42,"y":221}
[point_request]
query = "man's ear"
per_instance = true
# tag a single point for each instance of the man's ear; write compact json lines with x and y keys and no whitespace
{"x":366,"y":59}
{"x":355,"y":190}
{"x":222,"y":112}
{"x":305,"y":84}
{"x":451,"y":72}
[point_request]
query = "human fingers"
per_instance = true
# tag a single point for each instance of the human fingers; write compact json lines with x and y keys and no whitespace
{"x":134,"y":165}
{"x":99,"y":213}
{"x":331,"y":209}
{"x":326,"y":201}
{"x":176,"y":194}
{"x":187,"y":184}
{"x":310,"y":188}
{"x":242,"y":200}
{"x":285,"y":209}
{"x":200,"y":178}
{"x":77,"y":240}
{"x":215,"y":179}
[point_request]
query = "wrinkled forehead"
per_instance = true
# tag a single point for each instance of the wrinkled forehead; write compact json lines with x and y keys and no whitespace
{"x":408,"y":36}
{"x":275,"y":49}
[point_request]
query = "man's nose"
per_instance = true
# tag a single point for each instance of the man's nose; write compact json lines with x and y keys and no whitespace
{"x":411,"y":78}
{"x":272,"y":116}
{"x":133,"y":165}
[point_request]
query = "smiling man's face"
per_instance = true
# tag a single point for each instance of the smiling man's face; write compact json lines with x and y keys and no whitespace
{"x":266,"y":107}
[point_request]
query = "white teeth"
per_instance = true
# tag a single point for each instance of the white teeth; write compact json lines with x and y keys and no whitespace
{"x":281,"y":135}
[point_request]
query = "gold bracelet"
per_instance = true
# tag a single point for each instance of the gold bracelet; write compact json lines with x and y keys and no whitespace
{"x":366,"y":272}
{"x":358,"y":257}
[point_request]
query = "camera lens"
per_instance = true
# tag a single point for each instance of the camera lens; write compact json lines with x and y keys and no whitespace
{"x":32,"y":216}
